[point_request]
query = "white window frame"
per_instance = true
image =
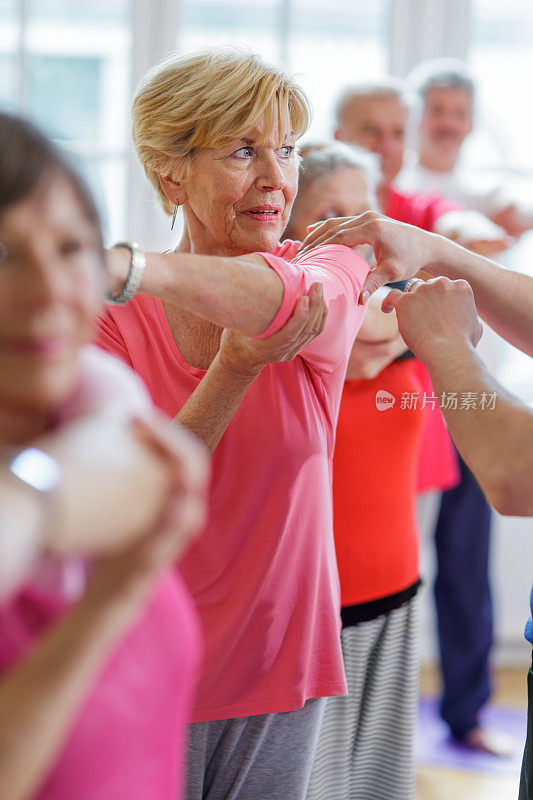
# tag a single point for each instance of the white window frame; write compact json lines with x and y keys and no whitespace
{"x":422,"y":29}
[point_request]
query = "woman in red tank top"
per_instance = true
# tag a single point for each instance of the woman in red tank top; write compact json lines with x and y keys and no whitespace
{"x":369,"y":735}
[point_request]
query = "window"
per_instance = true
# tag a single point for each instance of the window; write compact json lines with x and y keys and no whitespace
{"x":327,"y":45}
{"x":334,"y":44}
{"x":68,"y":69}
{"x":210,"y":23}
{"x":502,"y":59}
{"x":8,"y":53}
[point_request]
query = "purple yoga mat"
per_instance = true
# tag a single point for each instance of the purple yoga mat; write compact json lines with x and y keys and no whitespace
{"x":437,"y":749}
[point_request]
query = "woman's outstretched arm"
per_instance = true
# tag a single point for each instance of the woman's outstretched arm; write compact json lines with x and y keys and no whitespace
{"x":241,"y":293}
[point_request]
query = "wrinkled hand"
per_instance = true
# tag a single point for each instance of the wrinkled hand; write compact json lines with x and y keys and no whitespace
{"x":400,"y":249}
{"x":245,"y":355}
{"x":436,"y":316}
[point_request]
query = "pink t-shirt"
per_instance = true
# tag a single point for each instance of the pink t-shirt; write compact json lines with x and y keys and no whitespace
{"x":264,"y":575}
{"x":127,"y":739}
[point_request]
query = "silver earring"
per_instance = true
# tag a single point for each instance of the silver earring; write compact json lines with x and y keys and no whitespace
{"x":174,"y":216}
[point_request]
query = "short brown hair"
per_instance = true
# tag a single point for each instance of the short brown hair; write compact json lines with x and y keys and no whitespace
{"x":27,"y":159}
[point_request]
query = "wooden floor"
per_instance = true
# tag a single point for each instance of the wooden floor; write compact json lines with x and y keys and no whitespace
{"x":445,"y":784}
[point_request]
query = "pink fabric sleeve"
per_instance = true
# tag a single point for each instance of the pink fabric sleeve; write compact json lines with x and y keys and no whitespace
{"x":109,"y":338}
{"x":105,"y":382}
{"x":293,"y":288}
{"x":342,"y":273}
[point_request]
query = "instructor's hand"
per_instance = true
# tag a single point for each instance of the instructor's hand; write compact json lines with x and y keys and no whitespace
{"x":435,"y":317}
{"x":401,"y":250}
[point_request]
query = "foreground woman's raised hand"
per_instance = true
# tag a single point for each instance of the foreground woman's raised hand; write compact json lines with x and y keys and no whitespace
{"x":116,"y":476}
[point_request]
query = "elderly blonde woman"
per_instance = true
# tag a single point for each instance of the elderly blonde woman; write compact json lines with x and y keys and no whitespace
{"x":90,"y":516}
{"x":216,"y":132}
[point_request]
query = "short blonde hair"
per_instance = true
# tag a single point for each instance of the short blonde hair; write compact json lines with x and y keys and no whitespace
{"x":206,"y":99}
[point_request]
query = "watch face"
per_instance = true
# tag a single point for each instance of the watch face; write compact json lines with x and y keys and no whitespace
{"x":36,"y":468}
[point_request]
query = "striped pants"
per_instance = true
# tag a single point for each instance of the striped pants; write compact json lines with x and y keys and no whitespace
{"x":366,"y":747}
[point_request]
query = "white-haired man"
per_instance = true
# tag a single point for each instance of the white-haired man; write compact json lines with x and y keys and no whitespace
{"x":447,"y":93}
{"x":375,"y":116}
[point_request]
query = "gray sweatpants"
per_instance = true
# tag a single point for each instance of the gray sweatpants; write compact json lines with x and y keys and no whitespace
{"x":267,"y":756}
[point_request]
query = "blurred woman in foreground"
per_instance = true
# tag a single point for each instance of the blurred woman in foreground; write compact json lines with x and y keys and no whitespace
{"x":93,"y":696}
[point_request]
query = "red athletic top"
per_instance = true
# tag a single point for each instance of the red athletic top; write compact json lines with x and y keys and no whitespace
{"x":422,"y":210}
{"x":437,"y":467}
{"x":374,"y":486}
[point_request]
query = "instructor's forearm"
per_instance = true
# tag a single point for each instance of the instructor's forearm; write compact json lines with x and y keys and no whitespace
{"x":492,"y":440}
{"x":504,"y":298}
{"x":243,"y":294}
{"x":213,"y":404}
